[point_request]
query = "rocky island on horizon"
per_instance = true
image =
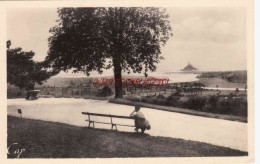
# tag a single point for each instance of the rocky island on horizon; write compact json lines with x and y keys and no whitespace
{"x":189,"y":67}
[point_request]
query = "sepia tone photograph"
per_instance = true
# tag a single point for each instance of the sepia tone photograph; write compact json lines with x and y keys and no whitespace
{"x":127,"y":82}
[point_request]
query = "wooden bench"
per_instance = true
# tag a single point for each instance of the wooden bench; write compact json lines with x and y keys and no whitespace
{"x":111,"y":119}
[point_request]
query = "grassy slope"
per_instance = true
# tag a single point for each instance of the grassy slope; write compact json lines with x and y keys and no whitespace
{"x":55,"y":140}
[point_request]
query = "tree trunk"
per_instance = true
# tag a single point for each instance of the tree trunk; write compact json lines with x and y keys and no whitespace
{"x":118,"y":80}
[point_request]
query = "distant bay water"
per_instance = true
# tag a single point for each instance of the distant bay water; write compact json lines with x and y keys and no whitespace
{"x":177,"y":77}
{"x":174,"y":77}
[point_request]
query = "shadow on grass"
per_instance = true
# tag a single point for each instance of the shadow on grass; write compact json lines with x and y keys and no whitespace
{"x":132,"y":134}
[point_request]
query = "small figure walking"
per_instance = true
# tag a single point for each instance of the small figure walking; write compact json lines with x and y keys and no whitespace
{"x":140,"y":121}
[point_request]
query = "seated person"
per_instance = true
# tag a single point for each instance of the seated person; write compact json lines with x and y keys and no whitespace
{"x":140,"y":121}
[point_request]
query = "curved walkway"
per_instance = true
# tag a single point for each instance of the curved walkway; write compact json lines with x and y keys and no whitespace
{"x":168,"y":124}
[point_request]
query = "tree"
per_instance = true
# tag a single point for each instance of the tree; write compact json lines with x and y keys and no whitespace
{"x":22,"y":71}
{"x":94,"y":39}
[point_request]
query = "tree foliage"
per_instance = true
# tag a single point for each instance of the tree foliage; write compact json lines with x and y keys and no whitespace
{"x":22,"y":71}
{"x":94,"y":39}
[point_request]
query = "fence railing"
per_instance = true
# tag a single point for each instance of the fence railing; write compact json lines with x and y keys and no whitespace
{"x":78,"y":92}
{"x":88,"y":92}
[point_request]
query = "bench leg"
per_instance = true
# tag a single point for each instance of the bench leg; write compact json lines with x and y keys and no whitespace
{"x":113,"y":125}
{"x":92,"y":124}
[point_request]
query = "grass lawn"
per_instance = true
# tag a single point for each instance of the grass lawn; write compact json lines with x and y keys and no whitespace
{"x":42,"y":139}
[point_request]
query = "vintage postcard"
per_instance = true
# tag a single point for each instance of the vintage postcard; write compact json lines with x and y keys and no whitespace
{"x":119,"y":81}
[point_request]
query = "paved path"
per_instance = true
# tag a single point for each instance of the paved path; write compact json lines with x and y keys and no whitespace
{"x":168,"y":124}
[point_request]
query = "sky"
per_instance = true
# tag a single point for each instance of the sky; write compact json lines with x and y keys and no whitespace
{"x":210,"y":38}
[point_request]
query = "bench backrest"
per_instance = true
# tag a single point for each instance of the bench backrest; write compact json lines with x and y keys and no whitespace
{"x":107,"y":115}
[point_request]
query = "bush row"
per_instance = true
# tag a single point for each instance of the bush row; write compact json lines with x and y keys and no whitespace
{"x":214,"y":104}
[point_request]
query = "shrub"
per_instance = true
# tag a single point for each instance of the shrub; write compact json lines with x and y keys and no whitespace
{"x":222,"y":106}
{"x":176,"y":93}
{"x":196,"y":103}
{"x":148,"y":100}
{"x":160,"y":97}
{"x":239,"y":106}
{"x":213,"y":100}
{"x":134,"y":98}
{"x":159,"y":101}
{"x":106,"y":91}
{"x":178,"y":89}
{"x":172,"y":100}
{"x":231,"y":95}
{"x":236,"y":106}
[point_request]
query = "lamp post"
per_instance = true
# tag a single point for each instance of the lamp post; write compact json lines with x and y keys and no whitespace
{"x":20,"y":112}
